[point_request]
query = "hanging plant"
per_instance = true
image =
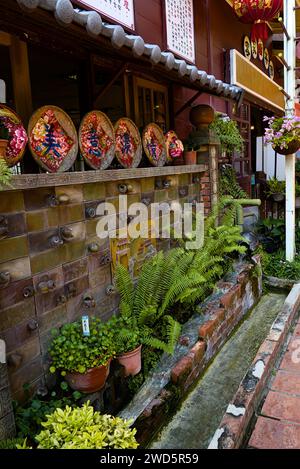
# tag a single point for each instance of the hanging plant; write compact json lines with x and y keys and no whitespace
{"x":283,"y":134}
{"x":228,"y":133}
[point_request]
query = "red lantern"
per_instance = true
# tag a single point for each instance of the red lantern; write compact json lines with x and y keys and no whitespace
{"x":257,"y":12}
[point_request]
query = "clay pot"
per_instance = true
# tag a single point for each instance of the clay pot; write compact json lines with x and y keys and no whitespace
{"x":190,"y":157}
{"x":91,"y":381}
{"x":132,"y":361}
{"x":3,"y":146}
{"x":293,"y":147}
{"x":202,"y":115}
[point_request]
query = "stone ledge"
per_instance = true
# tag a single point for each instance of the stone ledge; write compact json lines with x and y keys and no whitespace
{"x":233,"y":427}
{"x":202,"y":338}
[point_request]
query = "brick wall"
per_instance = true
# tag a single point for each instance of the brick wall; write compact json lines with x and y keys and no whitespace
{"x":44,"y":284}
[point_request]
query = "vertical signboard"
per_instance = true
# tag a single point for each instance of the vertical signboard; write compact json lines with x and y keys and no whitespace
{"x":120,"y":11}
{"x":180,"y":29}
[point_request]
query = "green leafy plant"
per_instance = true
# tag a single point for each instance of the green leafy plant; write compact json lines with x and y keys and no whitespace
{"x":84,"y":428}
{"x":29,"y":418}
{"x":128,"y":336}
{"x":72,"y":352}
{"x":11,"y":444}
{"x":275,"y":265}
{"x":176,"y":279}
{"x":228,"y":133}
{"x":5,"y":174}
{"x":297,"y":189}
{"x":275,"y":187}
{"x":271,"y":233}
{"x":297,"y":166}
{"x":141,"y":304}
{"x":228,"y":184}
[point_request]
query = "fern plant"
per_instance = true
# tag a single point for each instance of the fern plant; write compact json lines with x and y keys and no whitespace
{"x":180,"y":277}
{"x":228,"y":184}
{"x":140,"y":304}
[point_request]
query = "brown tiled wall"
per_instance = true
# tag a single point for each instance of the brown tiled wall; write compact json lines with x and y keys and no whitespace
{"x":48,"y":282}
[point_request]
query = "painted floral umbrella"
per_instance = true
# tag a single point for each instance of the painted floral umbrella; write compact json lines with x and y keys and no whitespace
{"x":97,"y":140}
{"x":53,"y":139}
{"x":17,"y":136}
{"x":154,"y":145}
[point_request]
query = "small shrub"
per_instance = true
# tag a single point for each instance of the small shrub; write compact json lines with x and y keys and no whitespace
{"x":84,"y":428}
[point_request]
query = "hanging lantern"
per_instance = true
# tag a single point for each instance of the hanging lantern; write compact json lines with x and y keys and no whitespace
{"x":257,"y":12}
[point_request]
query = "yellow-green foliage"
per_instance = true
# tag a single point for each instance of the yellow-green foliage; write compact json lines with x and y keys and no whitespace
{"x":5,"y":174}
{"x":84,"y":428}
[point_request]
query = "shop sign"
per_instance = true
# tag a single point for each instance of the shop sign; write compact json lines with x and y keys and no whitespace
{"x":120,"y":11}
{"x":254,"y":49}
{"x":254,"y":81}
{"x":180,"y":28}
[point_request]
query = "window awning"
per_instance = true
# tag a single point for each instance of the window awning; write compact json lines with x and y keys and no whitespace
{"x":66,"y":14}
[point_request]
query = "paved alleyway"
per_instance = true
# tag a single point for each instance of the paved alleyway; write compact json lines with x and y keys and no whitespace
{"x":278,"y":426}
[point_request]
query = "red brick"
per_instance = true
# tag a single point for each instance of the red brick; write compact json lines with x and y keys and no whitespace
{"x":198,"y":351}
{"x":272,"y":434}
{"x":282,"y":406}
{"x":286,"y":381}
{"x":207,"y":329}
{"x":182,"y":369}
{"x":229,"y":298}
{"x":219,"y":315}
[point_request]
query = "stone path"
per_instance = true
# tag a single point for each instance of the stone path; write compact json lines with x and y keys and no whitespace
{"x":278,"y":426}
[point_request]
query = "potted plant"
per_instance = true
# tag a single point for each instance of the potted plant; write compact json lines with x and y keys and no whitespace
{"x":283,"y":133}
{"x":228,"y":133}
{"x":85,"y":428}
{"x":84,"y":361}
{"x":128,"y":343}
{"x":276,"y":189}
{"x":190,"y":154}
{"x":4,"y":137}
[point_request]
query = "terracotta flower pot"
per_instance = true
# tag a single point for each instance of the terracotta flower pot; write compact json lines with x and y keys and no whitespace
{"x":190,"y":157}
{"x":91,"y":381}
{"x":132,"y":361}
{"x":293,"y":147}
{"x":3,"y":147}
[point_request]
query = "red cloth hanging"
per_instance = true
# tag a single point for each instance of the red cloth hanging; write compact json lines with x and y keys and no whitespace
{"x":257,"y":12}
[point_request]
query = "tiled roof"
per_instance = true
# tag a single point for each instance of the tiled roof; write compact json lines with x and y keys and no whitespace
{"x":65,"y":13}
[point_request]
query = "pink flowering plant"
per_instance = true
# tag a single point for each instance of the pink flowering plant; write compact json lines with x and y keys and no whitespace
{"x":282,"y":131}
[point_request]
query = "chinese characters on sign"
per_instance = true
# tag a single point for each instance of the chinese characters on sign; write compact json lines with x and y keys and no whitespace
{"x":180,"y":28}
{"x":121,"y":11}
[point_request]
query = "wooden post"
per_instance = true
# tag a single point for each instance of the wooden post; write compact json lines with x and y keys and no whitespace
{"x":21,"y":78}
